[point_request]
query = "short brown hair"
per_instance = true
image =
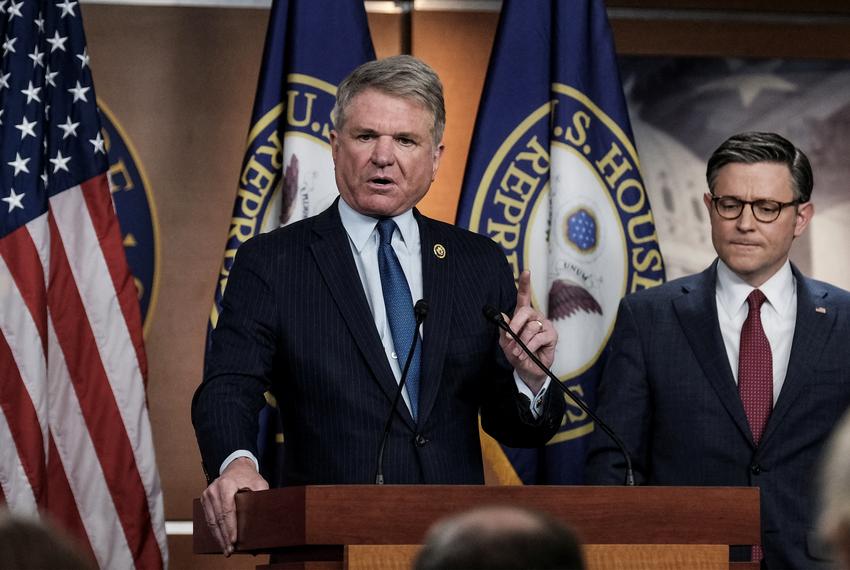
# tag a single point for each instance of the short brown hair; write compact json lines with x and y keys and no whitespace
{"x":755,"y":147}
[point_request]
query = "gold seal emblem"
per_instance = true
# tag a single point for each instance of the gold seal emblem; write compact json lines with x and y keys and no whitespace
{"x":440,"y":251}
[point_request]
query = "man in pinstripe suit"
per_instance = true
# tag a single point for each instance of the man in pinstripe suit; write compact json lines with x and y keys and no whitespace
{"x":304,"y":316}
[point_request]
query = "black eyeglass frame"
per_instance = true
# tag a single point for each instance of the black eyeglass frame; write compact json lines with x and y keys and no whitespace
{"x":752,"y":203}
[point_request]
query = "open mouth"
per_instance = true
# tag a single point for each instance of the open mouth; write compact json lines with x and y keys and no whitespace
{"x":381,"y":181}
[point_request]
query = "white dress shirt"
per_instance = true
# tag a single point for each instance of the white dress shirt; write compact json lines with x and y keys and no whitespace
{"x":778,"y":316}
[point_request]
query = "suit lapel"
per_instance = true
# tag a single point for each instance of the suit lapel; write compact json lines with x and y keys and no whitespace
{"x":697,"y":313}
{"x":811,"y":331}
{"x":332,"y":254}
{"x":437,"y":286}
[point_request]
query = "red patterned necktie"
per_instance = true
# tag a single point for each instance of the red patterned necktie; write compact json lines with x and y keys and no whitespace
{"x":755,"y":376}
{"x":755,"y":368}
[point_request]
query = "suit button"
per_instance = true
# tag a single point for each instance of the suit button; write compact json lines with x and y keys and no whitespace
{"x":420,"y":440}
{"x":755,"y":468}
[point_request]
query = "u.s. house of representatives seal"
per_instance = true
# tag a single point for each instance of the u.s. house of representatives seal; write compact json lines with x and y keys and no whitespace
{"x":307,"y":185}
{"x":288,"y":173}
{"x":563,"y":196}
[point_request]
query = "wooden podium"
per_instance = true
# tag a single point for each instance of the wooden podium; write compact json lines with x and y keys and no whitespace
{"x":370,"y":526}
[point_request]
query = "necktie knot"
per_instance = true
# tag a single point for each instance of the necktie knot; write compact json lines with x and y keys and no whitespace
{"x":755,"y":299}
{"x":386,"y":227}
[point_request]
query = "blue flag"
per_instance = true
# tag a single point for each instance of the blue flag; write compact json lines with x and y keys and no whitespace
{"x":554,"y":178}
{"x":287,"y":173}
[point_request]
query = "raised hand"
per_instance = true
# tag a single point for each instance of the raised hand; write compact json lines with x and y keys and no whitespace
{"x":535,"y":330}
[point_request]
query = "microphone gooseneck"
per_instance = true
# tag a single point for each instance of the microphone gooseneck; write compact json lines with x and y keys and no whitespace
{"x":420,"y":311}
{"x":495,"y":316}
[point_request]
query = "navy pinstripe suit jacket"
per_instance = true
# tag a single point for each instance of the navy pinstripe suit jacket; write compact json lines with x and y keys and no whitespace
{"x":668,"y":390}
{"x":295,"y":320}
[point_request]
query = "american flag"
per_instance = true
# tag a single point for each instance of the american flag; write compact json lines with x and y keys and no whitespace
{"x":75,"y":437}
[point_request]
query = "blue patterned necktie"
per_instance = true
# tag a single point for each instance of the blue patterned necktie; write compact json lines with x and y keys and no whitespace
{"x":399,"y":305}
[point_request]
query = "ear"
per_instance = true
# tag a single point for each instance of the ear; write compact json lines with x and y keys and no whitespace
{"x":805,"y":213}
{"x":438,"y":153}
{"x":706,"y":198}
{"x":334,"y":138}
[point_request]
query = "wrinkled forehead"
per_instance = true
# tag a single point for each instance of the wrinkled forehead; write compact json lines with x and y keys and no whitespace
{"x":371,"y":97}
{"x":388,"y":114}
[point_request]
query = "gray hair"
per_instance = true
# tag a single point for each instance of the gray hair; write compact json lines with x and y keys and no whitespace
{"x":401,"y":76}
{"x":755,"y":147}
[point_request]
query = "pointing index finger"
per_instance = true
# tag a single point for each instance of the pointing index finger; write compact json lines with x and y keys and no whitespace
{"x":523,"y":294}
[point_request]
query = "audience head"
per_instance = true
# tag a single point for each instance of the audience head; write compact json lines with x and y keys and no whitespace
{"x":499,"y":538}
{"x":29,"y":543}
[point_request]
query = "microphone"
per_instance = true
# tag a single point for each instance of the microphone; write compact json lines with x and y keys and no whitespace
{"x":420,"y":311}
{"x":495,"y":316}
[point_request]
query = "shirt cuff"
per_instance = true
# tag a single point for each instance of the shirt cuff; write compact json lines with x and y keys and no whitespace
{"x":535,"y":402}
{"x":243,"y":453}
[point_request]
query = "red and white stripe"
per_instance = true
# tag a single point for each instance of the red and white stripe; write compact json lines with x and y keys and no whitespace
{"x":75,"y":436}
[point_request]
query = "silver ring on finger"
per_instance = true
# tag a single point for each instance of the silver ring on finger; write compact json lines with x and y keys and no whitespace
{"x":539,"y":325}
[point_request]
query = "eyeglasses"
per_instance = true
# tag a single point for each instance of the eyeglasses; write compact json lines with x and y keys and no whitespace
{"x":765,"y":211}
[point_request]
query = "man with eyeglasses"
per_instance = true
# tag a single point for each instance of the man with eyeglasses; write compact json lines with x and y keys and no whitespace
{"x":735,"y":376}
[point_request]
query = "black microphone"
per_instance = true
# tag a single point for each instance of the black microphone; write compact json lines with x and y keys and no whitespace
{"x":420,"y":310}
{"x":495,"y":316}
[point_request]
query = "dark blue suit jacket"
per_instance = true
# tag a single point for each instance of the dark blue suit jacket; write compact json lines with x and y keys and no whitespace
{"x":295,"y":320}
{"x":669,"y":392}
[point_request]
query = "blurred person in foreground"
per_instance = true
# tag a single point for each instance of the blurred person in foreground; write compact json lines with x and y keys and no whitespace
{"x":497,"y":538}
{"x":735,"y":376}
{"x":33,"y":544}
{"x":835,"y":493}
{"x":321,"y":313}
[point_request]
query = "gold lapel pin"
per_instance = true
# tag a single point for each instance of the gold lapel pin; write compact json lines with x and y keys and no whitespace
{"x":440,"y":251}
{"x":821,"y":310}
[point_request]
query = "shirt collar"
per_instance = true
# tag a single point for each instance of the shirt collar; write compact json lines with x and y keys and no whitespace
{"x":732,"y":291}
{"x":360,"y":227}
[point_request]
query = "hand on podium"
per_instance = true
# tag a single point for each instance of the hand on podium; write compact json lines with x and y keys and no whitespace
{"x":219,"y":500}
